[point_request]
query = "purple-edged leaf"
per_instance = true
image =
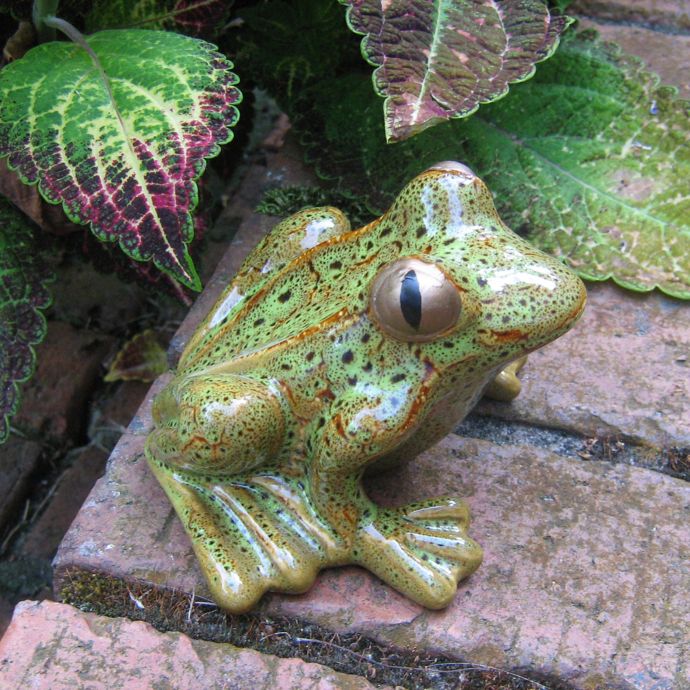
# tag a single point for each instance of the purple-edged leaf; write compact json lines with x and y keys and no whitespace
{"x":128,"y":14}
{"x":201,"y":18}
{"x":140,"y":359}
{"x":23,"y":295}
{"x":121,"y":150}
{"x":439,"y":59}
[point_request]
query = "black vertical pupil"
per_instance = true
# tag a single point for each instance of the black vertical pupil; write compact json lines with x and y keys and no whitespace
{"x":411,"y":300}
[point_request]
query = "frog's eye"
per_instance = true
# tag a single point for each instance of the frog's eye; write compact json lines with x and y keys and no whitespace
{"x":414,"y":301}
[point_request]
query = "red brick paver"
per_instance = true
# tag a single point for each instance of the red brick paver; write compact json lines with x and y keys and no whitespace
{"x":624,"y":370}
{"x":18,"y":459}
{"x":584,"y":570}
{"x":72,"y":489}
{"x":52,"y":646}
{"x":666,"y":54}
{"x":68,"y":363}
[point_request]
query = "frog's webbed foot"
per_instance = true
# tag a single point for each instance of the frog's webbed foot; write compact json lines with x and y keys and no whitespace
{"x":251,"y":533}
{"x":506,"y":385}
{"x":421,"y":549}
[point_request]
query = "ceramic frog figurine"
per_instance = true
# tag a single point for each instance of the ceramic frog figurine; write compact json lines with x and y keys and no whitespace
{"x":336,"y":351}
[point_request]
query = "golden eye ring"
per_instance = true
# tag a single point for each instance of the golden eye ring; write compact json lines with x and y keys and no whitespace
{"x":414,"y":301}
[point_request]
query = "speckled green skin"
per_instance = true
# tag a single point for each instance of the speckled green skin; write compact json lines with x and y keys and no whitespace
{"x":290,"y":390}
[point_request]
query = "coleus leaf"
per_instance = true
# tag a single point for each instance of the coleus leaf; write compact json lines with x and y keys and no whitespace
{"x":23,"y":296}
{"x":201,"y":18}
{"x":28,"y":200}
{"x":122,"y":14}
{"x":142,"y":358}
{"x":590,"y":159}
{"x":439,"y":59}
{"x":121,"y":144}
{"x":284,"y":201}
{"x":560,"y":5}
{"x":598,"y":161}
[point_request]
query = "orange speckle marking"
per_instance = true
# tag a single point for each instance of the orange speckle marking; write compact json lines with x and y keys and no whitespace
{"x":338,"y":423}
{"x":511,"y":336}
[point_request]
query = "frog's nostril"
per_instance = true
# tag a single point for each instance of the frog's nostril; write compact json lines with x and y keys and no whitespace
{"x":452,"y":166}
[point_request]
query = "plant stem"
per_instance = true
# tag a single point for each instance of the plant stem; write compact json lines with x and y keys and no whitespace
{"x":77,"y":37}
{"x":42,"y":9}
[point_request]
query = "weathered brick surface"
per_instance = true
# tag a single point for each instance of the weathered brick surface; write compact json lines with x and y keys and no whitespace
{"x":673,"y":15}
{"x":664,"y":53}
{"x":112,"y":414}
{"x":6,"y":610}
{"x":18,"y":459}
{"x":68,"y":362}
{"x":584,"y":571}
{"x":52,"y":646}
{"x":73,"y":487}
{"x":83,"y":292}
{"x":120,"y":406}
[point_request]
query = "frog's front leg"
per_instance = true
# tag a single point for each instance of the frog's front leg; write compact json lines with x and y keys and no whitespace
{"x":422,"y":549}
{"x":213,"y":437}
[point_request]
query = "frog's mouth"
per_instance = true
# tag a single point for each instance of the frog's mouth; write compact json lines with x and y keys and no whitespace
{"x":525,"y":336}
{"x":558,"y":325}
{"x":575,"y":313}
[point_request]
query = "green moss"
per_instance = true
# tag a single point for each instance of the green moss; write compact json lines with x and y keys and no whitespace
{"x":288,"y":200}
{"x":170,"y":610}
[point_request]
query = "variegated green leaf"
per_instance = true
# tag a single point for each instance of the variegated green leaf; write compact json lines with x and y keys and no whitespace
{"x":439,"y":59}
{"x":590,"y":159}
{"x":123,"y":14}
{"x":120,"y":144}
{"x":23,"y":296}
{"x":142,"y":358}
{"x":202,"y":18}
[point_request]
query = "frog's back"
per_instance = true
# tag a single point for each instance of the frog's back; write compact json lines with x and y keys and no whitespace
{"x":323,"y":287}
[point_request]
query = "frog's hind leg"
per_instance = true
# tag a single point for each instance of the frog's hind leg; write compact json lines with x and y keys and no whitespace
{"x":421,"y":549}
{"x":506,"y":385}
{"x":251,"y":533}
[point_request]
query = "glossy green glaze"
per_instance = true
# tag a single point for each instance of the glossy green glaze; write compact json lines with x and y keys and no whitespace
{"x":335,"y":351}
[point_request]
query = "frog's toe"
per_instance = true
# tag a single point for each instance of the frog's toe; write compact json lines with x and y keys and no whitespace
{"x":446,"y":510}
{"x":422,"y":549}
{"x":506,"y":385}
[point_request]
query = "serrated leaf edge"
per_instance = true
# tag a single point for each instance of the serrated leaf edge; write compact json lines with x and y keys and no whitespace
{"x":39,"y":308}
{"x":191,"y":276}
{"x":391,"y":137}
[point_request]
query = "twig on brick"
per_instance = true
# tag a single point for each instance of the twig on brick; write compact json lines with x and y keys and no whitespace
{"x":458,"y":667}
{"x":137,"y":602}
{"x":191,"y":605}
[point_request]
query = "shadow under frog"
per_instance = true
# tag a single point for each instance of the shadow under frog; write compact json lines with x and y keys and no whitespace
{"x":334,"y":352}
